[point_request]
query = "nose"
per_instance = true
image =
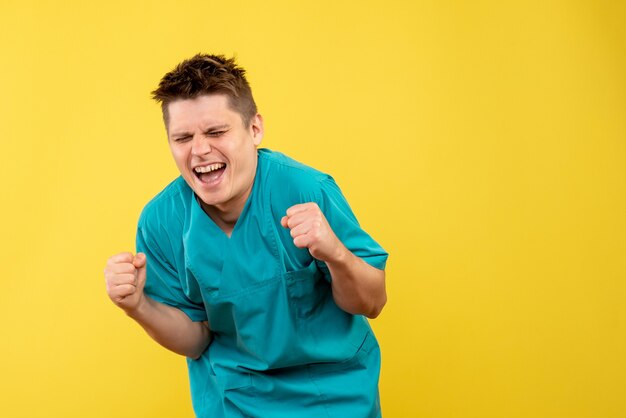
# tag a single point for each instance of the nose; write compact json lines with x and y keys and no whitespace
{"x":200,"y":145}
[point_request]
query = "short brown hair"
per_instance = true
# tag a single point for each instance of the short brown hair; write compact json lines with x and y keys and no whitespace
{"x":207,"y":74}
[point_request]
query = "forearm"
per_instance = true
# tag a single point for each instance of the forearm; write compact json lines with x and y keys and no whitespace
{"x":172,"y":328}
{"x":358,"y":288}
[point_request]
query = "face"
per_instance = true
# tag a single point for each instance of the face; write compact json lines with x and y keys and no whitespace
{"x":215,"y":153}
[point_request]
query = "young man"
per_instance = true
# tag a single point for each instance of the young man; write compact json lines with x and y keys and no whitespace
{"x":251,"y":264}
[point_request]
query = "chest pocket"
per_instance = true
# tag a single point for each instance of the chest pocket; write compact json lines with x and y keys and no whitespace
{"x":307,"y":290}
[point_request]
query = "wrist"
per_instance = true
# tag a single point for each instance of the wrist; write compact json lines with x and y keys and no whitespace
{"x":138,"y":310}
{"x":340,"y":256}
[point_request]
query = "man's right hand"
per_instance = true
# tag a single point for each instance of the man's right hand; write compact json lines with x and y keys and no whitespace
{"x":125,"y":277}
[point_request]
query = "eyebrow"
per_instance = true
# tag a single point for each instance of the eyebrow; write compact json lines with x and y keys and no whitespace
{"x":211,"y":129}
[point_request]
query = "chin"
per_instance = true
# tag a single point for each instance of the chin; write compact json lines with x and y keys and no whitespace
{"x":207,"y":200}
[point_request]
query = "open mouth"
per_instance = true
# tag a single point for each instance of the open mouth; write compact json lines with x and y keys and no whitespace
{"x":210,"y":173}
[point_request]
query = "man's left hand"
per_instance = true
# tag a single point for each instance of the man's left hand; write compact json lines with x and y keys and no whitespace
{"x":310,"y":229}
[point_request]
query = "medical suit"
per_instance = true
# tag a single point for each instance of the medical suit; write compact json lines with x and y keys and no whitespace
{"x":281,"y":346}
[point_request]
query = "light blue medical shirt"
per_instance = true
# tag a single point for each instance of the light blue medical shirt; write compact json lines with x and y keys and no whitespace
{"x":281,"y":346}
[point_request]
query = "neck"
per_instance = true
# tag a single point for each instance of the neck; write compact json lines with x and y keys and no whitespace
{"x":226,"y":216}
{"x":226,"y":220}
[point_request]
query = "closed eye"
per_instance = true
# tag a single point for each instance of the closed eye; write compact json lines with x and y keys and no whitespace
{"x":182,"y":138}
{"x":215,"y":134}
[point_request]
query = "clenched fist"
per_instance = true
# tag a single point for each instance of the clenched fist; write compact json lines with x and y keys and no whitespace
{"x":125,"y":277}
{"x":310,"y":229}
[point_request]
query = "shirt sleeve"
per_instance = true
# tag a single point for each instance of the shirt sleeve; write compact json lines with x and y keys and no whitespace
{"x":345,"y":225}
{"x":163,"y":282}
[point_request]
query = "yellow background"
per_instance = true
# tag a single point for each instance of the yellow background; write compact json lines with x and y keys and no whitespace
{"x":483,"y":143}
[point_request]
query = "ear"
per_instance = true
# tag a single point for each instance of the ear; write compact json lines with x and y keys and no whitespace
{"x":256,"y":126}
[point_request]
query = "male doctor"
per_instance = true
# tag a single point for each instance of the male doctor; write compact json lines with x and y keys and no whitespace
{"x":251,"y":264}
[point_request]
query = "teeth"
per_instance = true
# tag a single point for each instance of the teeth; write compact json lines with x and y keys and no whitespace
{"x":209,"y":168}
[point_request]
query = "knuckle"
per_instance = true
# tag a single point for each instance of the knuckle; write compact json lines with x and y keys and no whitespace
{"x":124,"y":257}
{"x":124,"y":290}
